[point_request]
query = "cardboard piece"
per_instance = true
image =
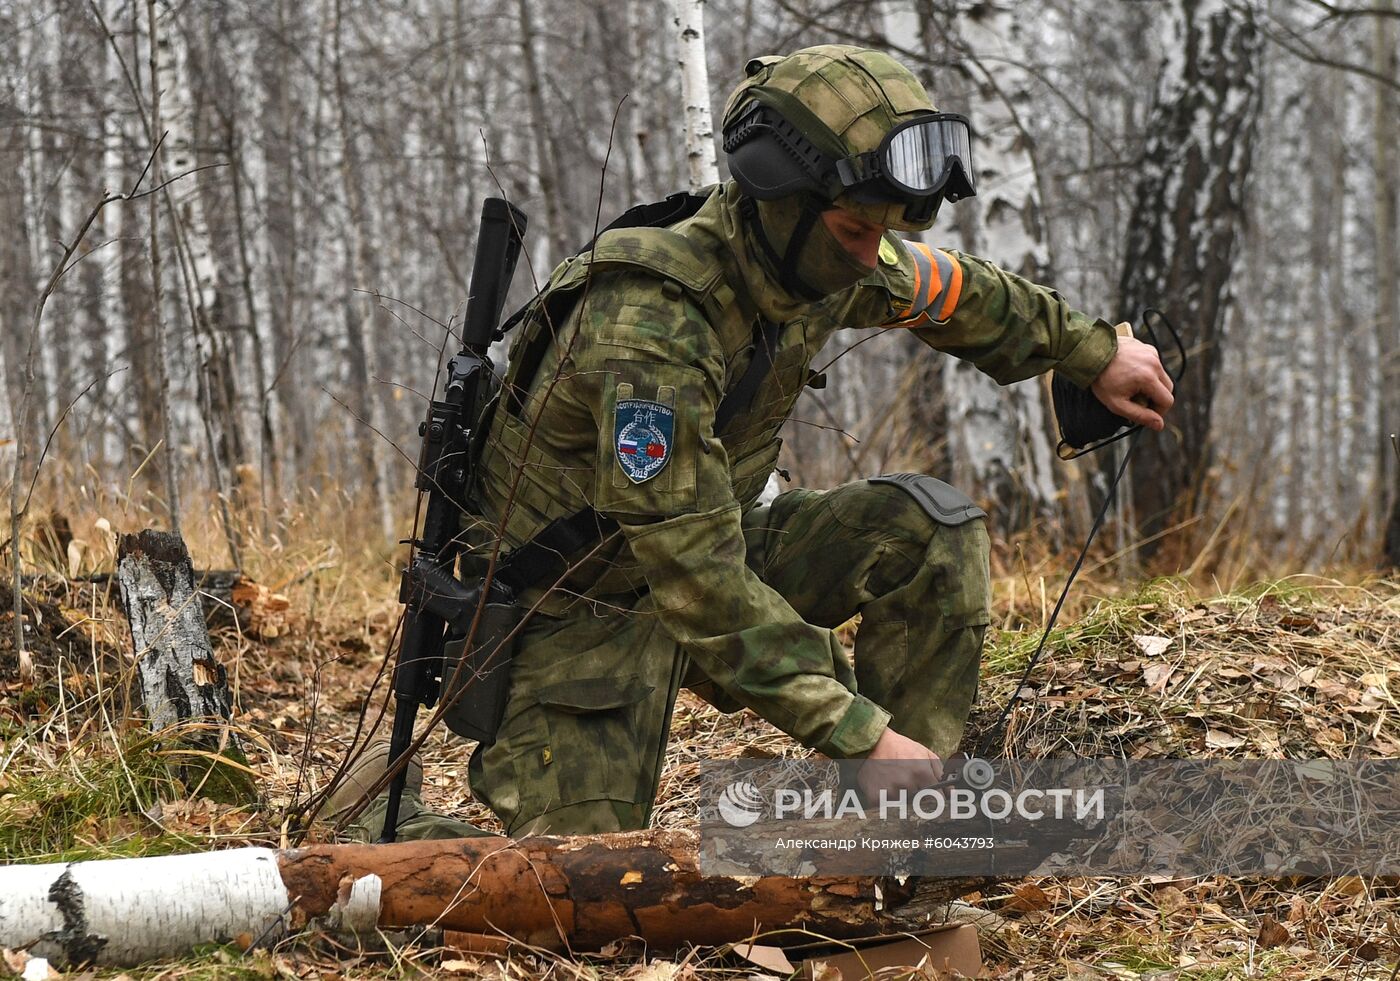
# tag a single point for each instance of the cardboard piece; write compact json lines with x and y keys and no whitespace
{"x":950,"y":948}
{"x":771,"y":959}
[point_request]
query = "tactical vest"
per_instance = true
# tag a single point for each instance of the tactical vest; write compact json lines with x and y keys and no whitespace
{"x":544,"y":531}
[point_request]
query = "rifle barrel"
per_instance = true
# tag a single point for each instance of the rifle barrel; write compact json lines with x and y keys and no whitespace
{"x":497,"y":250}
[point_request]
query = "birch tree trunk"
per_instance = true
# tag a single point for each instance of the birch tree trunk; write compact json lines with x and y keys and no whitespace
{"x":92,"y":341}
{"x":140,"y":344}
{"x":1312,"y":333}
{"x":33,"y":417}
{"x":1184,"y":232}
{"x":269,"y":454}
{"x":550,"y":172}
{"x":622,"y":72}
{"x":15,"y":267}
{"x":181,"y":681}
{"x":56,"y":345}
{"x":999,"y":437}
{"x":17,"y":251}
{"x":162,"y":353}
{"x":361,"y":267}
{"x":1388,"y":277}
{"x":8,"y":435}
{"x":695,"y":93}
{"x":201,"y":275}
{"x":284,"y":230}
{"x":643,"y":110}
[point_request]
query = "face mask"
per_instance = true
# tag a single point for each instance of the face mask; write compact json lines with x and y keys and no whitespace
{"x":805,"y":258}
{"x":827,"y":263}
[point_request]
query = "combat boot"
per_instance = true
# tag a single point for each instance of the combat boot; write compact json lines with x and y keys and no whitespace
{"x":415,"y":822}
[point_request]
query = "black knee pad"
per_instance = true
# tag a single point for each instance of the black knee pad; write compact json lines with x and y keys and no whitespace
{"x":941,"y":501}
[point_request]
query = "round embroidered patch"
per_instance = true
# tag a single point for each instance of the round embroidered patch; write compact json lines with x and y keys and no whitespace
{"x":642,"y":436}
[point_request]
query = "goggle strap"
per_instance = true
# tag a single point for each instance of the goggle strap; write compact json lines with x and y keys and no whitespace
{"x":858,"y":169}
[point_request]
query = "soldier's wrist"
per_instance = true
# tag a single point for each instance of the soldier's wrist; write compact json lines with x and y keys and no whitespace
{"x":859,"y":730}
{"x":1096,"y":348}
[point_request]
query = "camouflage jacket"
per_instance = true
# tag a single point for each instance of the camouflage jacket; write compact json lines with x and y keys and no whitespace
{"x":671,"y":324}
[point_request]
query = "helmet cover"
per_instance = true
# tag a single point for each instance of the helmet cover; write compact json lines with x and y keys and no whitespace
{"x":828,"y":102}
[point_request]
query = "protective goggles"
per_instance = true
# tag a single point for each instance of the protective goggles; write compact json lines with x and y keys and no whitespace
{"x":925,"y":156}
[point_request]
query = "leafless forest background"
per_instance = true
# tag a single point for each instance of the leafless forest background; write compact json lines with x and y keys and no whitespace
{"x":249,"y":322}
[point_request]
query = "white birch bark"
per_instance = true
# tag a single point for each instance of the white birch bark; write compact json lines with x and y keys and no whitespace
{"x":548,"y":166}
{"x":634,"y":133}
{"x":1388,"y":287}
{"x":181,"y":681}
{"x":695,"y":93}
{"x":194,"y":254}
{"x":998,"y":437}
{"x":133,"y":910}
{"x":555,"y":893}
{"x":116,"y":223}
{"x":9,"y":438}
{"x":170,"y":456}
{"x":32,"y":413}
{"x":1183,"y":235}
{"x":178,"y":153}
{"x":359,"y":262}
{"x":1260,"y":379}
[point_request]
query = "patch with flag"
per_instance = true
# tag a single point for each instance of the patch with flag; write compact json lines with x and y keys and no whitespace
{"x":642,"y":433}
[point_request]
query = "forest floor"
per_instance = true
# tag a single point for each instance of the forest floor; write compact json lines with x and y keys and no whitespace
{"x":1297,"y":668}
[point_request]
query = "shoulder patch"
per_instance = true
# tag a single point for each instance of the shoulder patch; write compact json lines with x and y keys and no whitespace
{"x":643,"y":437}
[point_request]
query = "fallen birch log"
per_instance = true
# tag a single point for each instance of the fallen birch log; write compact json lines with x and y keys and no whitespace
{"x":558,"y":893}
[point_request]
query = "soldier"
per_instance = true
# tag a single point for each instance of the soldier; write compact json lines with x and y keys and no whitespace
{"x":640,"y":423}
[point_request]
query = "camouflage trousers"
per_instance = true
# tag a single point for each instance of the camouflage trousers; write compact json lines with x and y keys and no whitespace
{"x":581,"y":746}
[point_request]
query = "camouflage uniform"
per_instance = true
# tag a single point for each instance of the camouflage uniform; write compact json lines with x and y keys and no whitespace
{"x":701,"y":586}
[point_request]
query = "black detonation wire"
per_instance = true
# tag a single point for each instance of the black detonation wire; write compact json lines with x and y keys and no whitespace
{"x":1064,"y":593}
{"x":1132,"y":435}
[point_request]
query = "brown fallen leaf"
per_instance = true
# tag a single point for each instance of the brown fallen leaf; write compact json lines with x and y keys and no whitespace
{"x":1218,"y":739}
{"x":1027,"y":897}
{"x":1156,"y":676}
{"x":1170,"y":899}
{"x":1151,"y":645}
{"x":1272,"y":933}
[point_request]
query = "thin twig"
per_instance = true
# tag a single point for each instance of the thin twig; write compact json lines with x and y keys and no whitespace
{"x":17,"y":512}
{"x":48,"y":442}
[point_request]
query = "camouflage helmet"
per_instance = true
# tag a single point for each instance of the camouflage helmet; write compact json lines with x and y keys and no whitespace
{"x":851,"y":126}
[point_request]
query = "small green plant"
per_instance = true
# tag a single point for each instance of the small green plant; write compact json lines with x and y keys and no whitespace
{"x":90,"y":801}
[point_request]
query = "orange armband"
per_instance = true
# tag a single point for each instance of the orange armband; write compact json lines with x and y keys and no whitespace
{"x":937,"y":286}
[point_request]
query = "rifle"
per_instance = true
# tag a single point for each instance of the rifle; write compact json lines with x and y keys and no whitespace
{"x":438,"y":607}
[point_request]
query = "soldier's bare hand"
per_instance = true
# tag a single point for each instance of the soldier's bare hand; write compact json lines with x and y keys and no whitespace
{"x":899,"y":763}
{"x":1135,"y":385}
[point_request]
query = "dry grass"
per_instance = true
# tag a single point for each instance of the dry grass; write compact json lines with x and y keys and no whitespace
{"x":1301,"y":667}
